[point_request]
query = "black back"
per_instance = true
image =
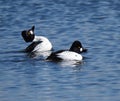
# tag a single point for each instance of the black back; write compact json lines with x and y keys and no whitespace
{"x":31,"y":47}
{"x":53,"y":56}
{"x":27,"y":35}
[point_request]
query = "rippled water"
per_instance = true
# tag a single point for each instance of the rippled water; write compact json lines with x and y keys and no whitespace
{"x":96,"y":23}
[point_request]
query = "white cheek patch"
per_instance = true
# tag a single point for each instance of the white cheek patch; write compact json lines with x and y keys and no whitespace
{"x":31,"y":32}
{"x":81,"y":49}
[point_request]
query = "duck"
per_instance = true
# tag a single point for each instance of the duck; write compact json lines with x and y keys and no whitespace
{"x":74,"y":53}
{"x":38,"y":43}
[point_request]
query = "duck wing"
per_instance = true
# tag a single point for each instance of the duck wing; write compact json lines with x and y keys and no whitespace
{"x":31,"y":47}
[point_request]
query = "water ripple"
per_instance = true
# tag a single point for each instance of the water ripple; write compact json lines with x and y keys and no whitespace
{"x":94,"y":23}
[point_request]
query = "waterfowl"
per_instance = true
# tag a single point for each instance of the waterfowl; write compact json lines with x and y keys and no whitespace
{"x":72,"y":54}
{"x":39,"y":43}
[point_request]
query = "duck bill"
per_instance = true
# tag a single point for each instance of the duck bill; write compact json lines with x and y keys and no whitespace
{"x":83,"y":50}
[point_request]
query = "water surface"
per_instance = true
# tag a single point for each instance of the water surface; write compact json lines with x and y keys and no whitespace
{"x":94,"y":22}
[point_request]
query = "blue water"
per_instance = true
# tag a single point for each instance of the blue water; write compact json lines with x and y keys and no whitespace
{"x":96,"y":23}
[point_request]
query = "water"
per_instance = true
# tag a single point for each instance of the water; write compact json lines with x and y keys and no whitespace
{"x":94,"y":22}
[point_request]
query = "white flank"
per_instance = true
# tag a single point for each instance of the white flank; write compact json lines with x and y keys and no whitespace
{"x":68,"y":55}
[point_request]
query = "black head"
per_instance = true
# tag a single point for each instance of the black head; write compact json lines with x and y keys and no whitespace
{"x":77,"y":47}
{"x":28,"y":35}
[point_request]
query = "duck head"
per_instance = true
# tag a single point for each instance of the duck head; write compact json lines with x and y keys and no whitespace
{"x":77,"y":47}
{"x":28,"y":35}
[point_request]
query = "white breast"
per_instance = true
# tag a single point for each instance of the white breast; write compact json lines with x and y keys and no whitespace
{"x":68,"y":55}
{"x":45,"y":44}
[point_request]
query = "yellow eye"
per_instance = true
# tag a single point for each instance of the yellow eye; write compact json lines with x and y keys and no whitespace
{"x":28,"y":33}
